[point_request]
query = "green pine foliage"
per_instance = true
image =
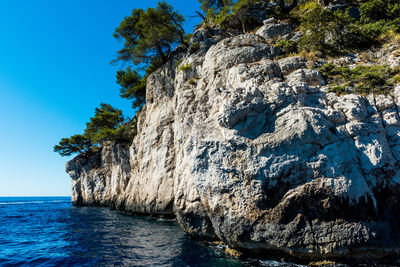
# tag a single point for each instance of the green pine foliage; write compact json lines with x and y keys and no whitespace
{"x":150,"y":35}
{"x":326,"y":31}
{"x":75,"y":144}
{"x":194,"y":48}
{"x":232,"y":15}
{"x":236,"y":14}
{"x":125,"y":132}
{"x":105,"y":120}
{"x":185,"y":67}
{"x":287,"y":46}
{"x":376,"y":10}
{"x":106,"y":125}
{"x":377,"y":79}
{"x":214,"y":6}
{"x":133,"y":86}
{"x":333,"y":32}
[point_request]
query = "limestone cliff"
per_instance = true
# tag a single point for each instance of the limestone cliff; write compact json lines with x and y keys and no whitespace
{"x":254,"y":151}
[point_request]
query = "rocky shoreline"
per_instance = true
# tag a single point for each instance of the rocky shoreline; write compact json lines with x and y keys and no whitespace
{"x":254,"y":151}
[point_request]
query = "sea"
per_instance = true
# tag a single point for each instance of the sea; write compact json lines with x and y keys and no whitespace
{"x":50,"y":231}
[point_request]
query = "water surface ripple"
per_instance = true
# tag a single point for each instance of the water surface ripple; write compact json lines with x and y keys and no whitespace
{"x":51,"y":232}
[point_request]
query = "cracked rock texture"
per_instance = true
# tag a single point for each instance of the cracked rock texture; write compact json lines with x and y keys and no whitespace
{"x":254,"y":151}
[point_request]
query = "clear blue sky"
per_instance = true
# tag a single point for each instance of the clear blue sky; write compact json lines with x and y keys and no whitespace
{"x":54,"y":70}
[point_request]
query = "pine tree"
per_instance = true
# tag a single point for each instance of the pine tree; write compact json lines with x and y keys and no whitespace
{"x":150,"y":35}
{"x":106,"y":125}
{"x":105,"y":120}
{"x":133,"y":86}
{"x":75,"y":144}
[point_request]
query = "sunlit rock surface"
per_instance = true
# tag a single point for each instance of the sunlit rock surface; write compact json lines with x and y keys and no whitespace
{"x":254,"y":151}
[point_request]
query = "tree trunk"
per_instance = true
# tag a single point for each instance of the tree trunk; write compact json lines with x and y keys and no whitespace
{"x":164,"y":58}
{"x":201,"y":16}
{"x":181,"y":33}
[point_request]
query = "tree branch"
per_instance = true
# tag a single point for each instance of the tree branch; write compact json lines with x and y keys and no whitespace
{"x":181,"y":34}
{"x":201,"y":15}
{"x":164,"y":58}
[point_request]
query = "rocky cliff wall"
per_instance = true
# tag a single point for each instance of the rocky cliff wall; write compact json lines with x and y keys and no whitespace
{"x":255,"y":152}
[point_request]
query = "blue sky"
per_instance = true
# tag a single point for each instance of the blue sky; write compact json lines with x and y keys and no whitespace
{"x":54,"y":70}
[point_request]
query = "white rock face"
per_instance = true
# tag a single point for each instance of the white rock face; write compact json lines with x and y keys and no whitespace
{"x":272,"y":30}
{"x":257,"y":154}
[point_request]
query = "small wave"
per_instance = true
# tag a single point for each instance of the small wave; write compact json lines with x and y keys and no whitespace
{"x":272,"y":263}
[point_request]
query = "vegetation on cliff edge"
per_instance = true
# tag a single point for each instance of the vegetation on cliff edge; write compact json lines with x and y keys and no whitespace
{"x":108,"y":124}
{"x":150,"y":36}
{"x":149,"y":39}
{"x":361,"y":79}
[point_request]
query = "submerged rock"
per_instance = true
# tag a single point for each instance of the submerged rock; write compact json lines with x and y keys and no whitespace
{"x":257,"y":154}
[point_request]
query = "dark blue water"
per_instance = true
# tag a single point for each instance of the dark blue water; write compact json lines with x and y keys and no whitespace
{"x":51,"y":232}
